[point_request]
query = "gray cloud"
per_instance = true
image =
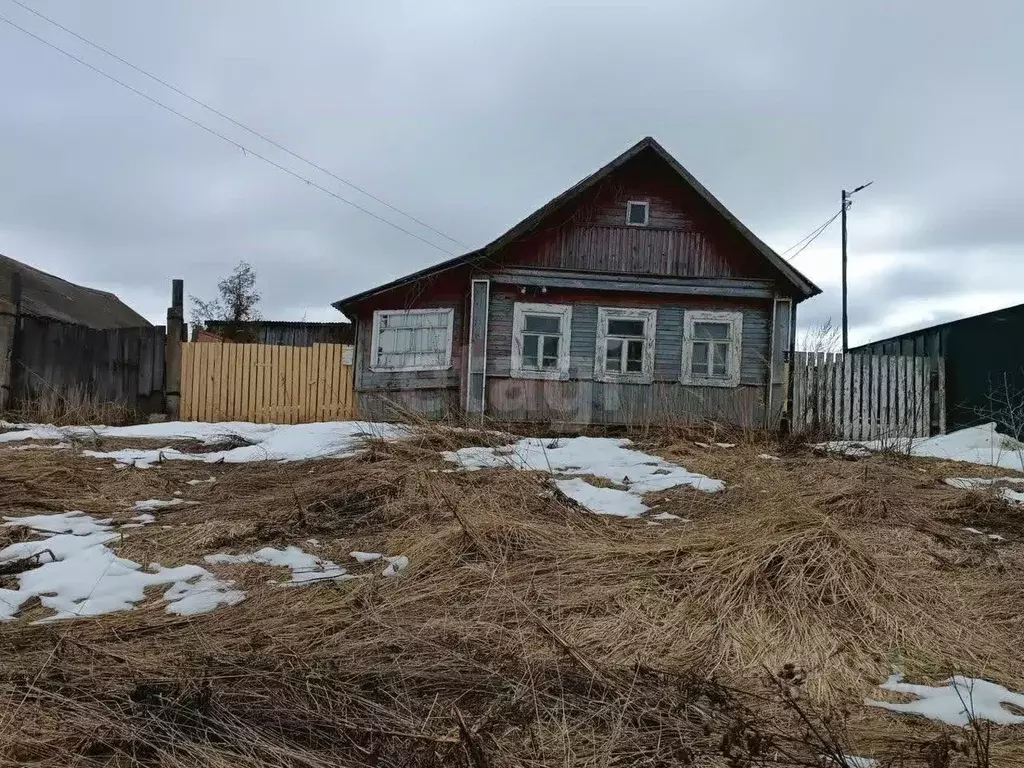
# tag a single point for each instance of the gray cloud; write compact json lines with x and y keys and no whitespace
{"x":472,"y":114}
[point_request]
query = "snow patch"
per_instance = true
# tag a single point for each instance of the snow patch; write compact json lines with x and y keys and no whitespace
{"x":152,"y":505}
{"x":959,"y":701}
{"x":395,"y":564}
{"x":76,"y":523}
{"x":305,"y":567}
{"x":365,"y":557}
{"x":768,"y":457}
{"x":975,"y":445}
{"x":602,"y":501}
{"x":269,"y":442}
{"x":80,"y":576}
{"x":612,"y":459}
{"x":210,"y":479}
{"x":670,"y":516}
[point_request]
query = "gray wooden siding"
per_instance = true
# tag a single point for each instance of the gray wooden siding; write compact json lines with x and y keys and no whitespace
{"x":783,"y":323}
{"x":476,"y":345}
{"x":396,"y":405}
{"x":367,"y":380}
{"x":590,"y":402}
{"x":668,"y":348}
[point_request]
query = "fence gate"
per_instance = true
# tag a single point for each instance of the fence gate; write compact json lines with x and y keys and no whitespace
{"x":266,"y":383}
{"x":868,"y":397}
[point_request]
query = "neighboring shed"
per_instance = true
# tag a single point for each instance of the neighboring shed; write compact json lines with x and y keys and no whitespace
{"x":282,"y":333}
{"x":984,"y":365}
{"x":47,"y":296}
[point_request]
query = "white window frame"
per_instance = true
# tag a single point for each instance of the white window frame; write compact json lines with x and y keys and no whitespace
{"x":735,"y":322}
{"x":375,"y":339}
{"x":647,"y":212}
{"x":519,"y":313}
{"x":650,"y":320}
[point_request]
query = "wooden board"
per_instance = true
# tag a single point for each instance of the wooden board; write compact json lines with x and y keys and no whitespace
{"x":266,"y":383}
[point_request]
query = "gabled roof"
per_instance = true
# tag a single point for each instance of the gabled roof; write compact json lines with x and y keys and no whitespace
{"x":46,"y":295}
{"x":804,"y":287}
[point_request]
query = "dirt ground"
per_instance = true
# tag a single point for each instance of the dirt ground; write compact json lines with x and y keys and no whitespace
{"x":525,"y":631}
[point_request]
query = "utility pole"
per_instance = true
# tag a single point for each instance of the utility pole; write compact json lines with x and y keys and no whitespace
{"x":846,"y":318}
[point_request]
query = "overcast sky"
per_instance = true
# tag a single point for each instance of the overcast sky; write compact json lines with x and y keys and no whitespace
{"x":469,"y":115}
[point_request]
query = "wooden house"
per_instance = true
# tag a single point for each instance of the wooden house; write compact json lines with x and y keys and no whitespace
{"x":634,"y":297}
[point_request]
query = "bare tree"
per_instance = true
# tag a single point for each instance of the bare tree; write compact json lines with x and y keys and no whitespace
{"x":235,"y":304}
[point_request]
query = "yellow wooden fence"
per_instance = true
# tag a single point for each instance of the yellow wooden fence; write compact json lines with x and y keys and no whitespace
{"x":266,"y":383}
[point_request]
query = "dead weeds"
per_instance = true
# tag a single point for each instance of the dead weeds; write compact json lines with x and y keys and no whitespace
{"x":526,"y":632}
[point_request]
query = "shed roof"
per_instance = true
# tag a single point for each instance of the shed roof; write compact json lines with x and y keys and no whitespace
{"x":991,"y":314}
{"x":804,"y":287}
{"x":46,"y":295}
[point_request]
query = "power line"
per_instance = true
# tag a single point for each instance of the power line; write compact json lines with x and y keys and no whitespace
{"x":809,"y":238}
{"x":221,"y":136}
{"x":235,"y":122}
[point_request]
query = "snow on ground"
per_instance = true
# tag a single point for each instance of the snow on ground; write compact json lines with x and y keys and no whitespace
{"x":603,"y":501}
{"x":670,"y":516}
{"x":202,"y":482}
{"x":270,"y":442}
{"x":80,"y":576}
{"x":365,"y":557}
{"x":975,"y":445}
{"x":993,"y":536}
{"x":395,"y":564}
{"x":152,"y":505}
{"x":305,"y":568}
{"x":635,"y":472}
{"x":76,"y":523}
{"x":972,"y":483}
{"x":959,"y":701}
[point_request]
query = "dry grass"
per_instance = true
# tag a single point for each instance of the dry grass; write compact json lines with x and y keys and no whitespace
{"x":72,"y":407}
{"x":526,"y":632}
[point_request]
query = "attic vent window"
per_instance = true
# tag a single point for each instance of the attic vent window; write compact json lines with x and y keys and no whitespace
{"x":637,"y":213}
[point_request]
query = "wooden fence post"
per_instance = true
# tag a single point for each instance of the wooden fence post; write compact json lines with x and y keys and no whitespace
{"x":9,"y":330}
{"x":172,"y":350}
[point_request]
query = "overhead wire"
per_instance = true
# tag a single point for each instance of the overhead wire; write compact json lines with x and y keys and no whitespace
{"x":809,"y":238}
{"x":223,"y":137}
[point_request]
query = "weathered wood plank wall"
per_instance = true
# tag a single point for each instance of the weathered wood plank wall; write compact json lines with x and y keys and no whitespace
{"x":76,"y":365}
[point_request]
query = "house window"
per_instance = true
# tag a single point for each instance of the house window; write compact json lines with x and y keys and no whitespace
{"x":625,"y":344}
{"x":711,"y":348}
{"x":412,"y":340}
{"x":637,"y":213}
{"x":540,"y":341}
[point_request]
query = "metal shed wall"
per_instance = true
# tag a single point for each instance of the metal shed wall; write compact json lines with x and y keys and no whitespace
{"x":984,"y":358}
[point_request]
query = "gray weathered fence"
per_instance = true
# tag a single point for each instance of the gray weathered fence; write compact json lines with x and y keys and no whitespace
{"x":868,"y":397}
{"x":44,"y":360}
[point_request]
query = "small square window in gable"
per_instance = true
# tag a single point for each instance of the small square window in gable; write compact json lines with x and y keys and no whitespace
{"x":637,"y":213}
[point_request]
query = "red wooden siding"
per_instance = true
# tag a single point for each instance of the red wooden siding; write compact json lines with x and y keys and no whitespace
{"x":684,"y":236}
